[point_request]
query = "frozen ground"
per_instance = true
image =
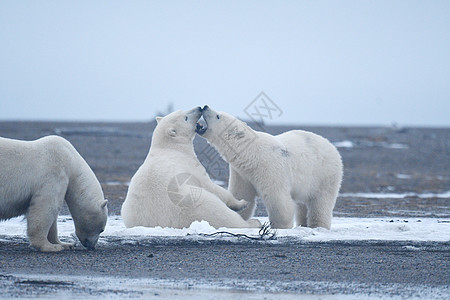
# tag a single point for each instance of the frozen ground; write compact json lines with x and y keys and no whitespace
{"x":389,"y":237}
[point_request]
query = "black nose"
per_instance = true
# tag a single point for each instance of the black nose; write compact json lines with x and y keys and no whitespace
{"x":87,"y":243}
{"x":205,"y":107}
{"x":199,"y":108}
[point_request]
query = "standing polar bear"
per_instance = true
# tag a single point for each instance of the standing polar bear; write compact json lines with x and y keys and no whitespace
{"x":172,"y":188}
{"x":35,"y":179}
{"x":295,"y":173}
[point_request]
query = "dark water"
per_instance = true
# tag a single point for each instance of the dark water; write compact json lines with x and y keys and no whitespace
{"x":381,"y":160}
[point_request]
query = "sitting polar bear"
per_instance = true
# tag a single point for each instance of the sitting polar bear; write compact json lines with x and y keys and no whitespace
{"x":172,"y":188}
{"x":36,"y":177}
{"x":296,"y":172}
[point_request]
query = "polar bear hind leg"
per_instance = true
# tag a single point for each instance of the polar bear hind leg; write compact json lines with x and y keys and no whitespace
{"x":281,"y":209}
{"x":320,"y":209}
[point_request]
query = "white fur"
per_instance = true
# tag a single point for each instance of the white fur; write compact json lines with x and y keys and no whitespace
{"x":295,"y":173}
{"x":36,"y":177}
{"x":171,"y":154}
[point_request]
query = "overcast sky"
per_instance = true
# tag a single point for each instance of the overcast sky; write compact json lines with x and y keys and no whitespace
{"x":319,"y":62}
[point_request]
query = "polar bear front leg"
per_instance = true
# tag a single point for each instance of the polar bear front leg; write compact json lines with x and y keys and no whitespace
{"x":226,"y":197}
{"x":241,"y":188}
{"x":38,"y":227}
{"x":53,"y":236}
{"x":42,"y":213}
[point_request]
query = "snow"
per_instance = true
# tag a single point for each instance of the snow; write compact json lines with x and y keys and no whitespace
{"x":403,"y":176}
{"x":344,"y":144}
{"x":344,"y":229}
{"x":369,"y":144}
{"x":116,"y":183}
{"x":396,"y":195}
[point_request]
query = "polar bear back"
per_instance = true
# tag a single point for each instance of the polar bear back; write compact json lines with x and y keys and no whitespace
{"x":28,"y":165}
{"x":147,"y":202}
{"x":312,"y":159}
{"x":24,"y":167}
{"x":311,"y":149}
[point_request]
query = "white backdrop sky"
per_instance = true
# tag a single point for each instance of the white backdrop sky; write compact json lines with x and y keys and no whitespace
{"x":321,"y":62}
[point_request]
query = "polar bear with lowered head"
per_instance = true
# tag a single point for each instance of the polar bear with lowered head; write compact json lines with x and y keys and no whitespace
{"x":295,"y":173}
{"x":172,"y":188}
{"x":35,"y":179}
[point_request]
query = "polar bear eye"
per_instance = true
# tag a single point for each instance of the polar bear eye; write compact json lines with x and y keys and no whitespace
{"x":185,"y":118}
{"x":217,"y":116}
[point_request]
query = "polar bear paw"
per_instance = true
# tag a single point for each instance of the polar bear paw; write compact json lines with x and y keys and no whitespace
{"x":68,"y":245}
{"x":254,"y":223}
{"x":51,"y":248}
{"x":239,"y":205}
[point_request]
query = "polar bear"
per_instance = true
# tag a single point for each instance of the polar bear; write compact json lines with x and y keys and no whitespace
{"x":295,"y":173}
{"x":172,"y":188}
{"x":36,"y":177}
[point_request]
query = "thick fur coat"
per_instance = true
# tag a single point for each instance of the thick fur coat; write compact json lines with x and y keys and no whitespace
{"x":172,"y":188}
{"x":296,"y":173}
{"x":36,"y":177}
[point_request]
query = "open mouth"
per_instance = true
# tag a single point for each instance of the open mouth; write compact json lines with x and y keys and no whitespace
{"x":200,"y":127}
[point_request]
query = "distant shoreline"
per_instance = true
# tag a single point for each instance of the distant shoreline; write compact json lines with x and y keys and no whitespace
{"x":270,"y":124}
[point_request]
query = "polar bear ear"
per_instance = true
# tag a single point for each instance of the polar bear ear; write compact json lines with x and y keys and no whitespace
{"x":158,"y":119}
{"x":103,"y":205}
{"x":172,"y":132}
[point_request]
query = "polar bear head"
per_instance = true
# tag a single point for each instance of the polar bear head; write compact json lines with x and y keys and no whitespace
{"x":229,"y":135}
{"x":89,"y":225}
{"x":177,"y":128}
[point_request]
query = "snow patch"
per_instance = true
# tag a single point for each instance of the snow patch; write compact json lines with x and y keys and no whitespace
{"x":403,"y":176}
{"x":116,"y":183}
{"x":348,"y":229}
{"x":369,"y":144}
{"x":396,"y":196}
{"x":344,"y":144}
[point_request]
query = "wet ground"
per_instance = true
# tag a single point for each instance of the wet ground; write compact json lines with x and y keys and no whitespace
{"x":346,"y":268}
{"x":379,"y":160}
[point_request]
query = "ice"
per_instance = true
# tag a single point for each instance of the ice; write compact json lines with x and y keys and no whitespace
{"x":109,"y":287}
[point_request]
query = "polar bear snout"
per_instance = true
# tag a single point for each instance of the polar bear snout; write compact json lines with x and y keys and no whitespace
{"x":211,"y":118}
{"x":195,"y":112}
{"x":90,"y":243}
{"x":209,"y":114}
{"x":200,"y":128}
